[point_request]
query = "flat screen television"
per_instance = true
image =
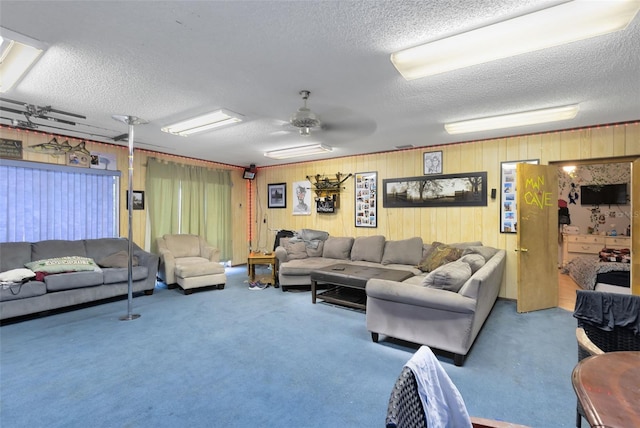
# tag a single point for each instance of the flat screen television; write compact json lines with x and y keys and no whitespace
{"x":606,"y":194}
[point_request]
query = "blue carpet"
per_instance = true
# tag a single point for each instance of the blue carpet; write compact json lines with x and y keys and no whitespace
{"x":243,"y":358}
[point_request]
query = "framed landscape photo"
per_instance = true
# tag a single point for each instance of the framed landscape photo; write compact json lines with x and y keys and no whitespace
{"x":138,"y":200}
{"x":449,"y":190}
{"x":432,"y":162}
{"x":277,"y":195}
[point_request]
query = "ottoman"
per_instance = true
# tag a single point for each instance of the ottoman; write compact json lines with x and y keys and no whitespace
{"x":194,"y":275}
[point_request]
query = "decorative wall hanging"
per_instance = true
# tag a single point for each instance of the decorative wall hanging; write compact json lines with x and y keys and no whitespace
{"x":508,"y":209}
{"x":449,"y":190}
{"x":432,"y":162}
{"x":78,"y":159}
{"x":10,"y":149}
{"x":366,"y":191}
{"x":326,"y":205}
{"x":327,"y":187}
{"x":301,"y":198}
{"x":138,"y":200}
{"x":277,"y":195}
{"x":106,"y":161}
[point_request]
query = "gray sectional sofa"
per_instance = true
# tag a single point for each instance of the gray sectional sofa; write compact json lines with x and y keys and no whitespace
{"x":63,"y":289}
{"x":443,"y":305}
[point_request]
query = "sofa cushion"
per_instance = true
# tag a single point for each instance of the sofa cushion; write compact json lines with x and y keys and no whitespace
{"x":464,"y":245}
{"x":16,"y":275}
{"x":118,"y":260}
{"x":296,"y":250}
{"x":183,"y":245}
{"x":101,"y":248}
{"x":337,"y":248}
{"x":451,"y":276}
{"x":317,"y":251}
{"x":22,"y":291}
{"x":486,"y":252}
{"x":63,"y":264}
{"x":405,"y":252}
{"x":119,"y":275}
{"x":14,"y":255}
{"x":73,"y":280}
{"x":475,"y":261}
{"x":368,"y":248}
{"x":439,"y":255}
{"x":57,"y":248}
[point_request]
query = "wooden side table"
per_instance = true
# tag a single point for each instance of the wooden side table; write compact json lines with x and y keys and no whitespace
{"x":256,"y":258}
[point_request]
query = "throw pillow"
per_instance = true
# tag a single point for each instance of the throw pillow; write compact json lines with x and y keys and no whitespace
{"x":475,"y":261}
{"x":451,"y":276}
{"x":16,"y":275}
{"x":404,"y":252}
{"x":118,"y":260}
{"x":368,"y":248}
{"x":337,"y":248}
{"x":439,"y":255}
{"x":486,"y":252}
{"x":296,"y":250}
{"x":63,"y":264}
{"x":317,"y":251}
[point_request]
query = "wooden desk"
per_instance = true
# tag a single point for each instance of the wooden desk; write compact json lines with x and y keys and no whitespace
{"x":608,"y":387}
{"x":262,"y":259}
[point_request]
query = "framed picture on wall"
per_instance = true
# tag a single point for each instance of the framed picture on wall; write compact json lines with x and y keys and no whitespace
{"x":366,"y":192}
{"x":302,"y":197}
{"x":508,"y":195}
{"x":277,"y":194}
{"x":432,"y":162}
{"x":138,"y":200}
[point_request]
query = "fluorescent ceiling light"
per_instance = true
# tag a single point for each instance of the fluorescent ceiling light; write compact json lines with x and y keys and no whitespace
{"x":565,"y":23}
{"x":512,"y":120}
{"x":203,"y":123}
{"x":293,"y":152}
{"x":17,"y":54}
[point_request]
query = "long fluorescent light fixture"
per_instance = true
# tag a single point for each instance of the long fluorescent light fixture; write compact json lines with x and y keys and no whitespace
{"x":512,"y":120}
{"x":558,"y":25}
{"x":293,"y":152}
{"x":17,"y":54}
{"x":203,"y":123}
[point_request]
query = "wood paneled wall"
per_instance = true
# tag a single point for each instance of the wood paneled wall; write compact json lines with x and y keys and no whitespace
{"x":140,"y":236}
{"x":450,"y":224}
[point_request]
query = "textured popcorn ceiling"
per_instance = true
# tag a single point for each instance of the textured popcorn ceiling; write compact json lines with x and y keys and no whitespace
{"x":165,"y":61}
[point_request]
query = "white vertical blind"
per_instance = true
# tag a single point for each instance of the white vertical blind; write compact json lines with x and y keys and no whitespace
{"x":46,"y":201}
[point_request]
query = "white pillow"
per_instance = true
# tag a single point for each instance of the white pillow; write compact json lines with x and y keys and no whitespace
{"x":16,"y":275}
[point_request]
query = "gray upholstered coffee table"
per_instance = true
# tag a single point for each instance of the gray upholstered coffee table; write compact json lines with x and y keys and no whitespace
{"x":349,"y":282}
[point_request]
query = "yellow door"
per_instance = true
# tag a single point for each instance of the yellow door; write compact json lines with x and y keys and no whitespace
{"x":537,"y":236}
{"x":635,"y":227}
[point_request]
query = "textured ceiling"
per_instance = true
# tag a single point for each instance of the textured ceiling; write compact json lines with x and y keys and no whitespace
{"x":165,"y":61}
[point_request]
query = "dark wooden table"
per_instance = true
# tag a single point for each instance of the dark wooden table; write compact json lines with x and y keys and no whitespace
{"x":608,"y":387}
{"x":349,"y":282}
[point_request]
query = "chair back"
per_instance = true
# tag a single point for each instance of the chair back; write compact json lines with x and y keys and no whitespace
{"x":405,"y":408}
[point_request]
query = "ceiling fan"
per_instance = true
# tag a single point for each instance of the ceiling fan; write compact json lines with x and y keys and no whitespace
{"x":304,"y":119}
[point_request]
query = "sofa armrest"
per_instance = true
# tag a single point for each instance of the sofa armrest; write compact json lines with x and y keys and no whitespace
{"x":211,"y":253}
{"x":147,"y":259}
{"x":281,"y":254}
{"x":418,"y":295}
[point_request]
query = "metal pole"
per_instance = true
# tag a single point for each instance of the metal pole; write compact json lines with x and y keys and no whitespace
{"x":131,"y":121}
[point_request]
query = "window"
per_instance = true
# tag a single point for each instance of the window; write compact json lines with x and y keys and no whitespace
{"x":49,"y":201}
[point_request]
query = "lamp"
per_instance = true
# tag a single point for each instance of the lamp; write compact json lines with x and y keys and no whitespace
{"x":131,"y":121}
{"x":17,"y":54}
{"x":565,"y":23}
{"x":203,"y":123}
{"x":512,"y":120}
{"x":293,"y":152}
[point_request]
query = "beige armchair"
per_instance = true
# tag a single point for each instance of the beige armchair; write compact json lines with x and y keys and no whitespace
{"x":189,"y":261}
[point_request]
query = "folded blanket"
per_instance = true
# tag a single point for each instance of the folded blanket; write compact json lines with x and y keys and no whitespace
{"x":310,"y":237}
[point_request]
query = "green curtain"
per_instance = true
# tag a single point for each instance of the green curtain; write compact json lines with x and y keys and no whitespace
{"x":190,"y":199}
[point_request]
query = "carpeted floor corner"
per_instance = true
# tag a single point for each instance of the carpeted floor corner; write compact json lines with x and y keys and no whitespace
{"x":246,"y":358}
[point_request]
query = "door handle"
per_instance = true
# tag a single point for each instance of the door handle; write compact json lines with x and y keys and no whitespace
{"x":524,"y":250}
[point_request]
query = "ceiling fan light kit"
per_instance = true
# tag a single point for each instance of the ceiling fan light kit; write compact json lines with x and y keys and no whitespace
{"x":203,"y":123}
{"x":554,"y":26}
{"x":304,"y":119}
{"x":513,"y":120}
{"x":292,"y":152}
{"x":17,"y":54}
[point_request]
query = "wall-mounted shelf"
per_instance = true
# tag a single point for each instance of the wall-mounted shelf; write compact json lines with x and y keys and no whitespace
{"x":328,"y":187}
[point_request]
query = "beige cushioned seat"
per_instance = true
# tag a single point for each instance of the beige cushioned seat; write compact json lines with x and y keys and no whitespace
{"x":190,"y":262}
